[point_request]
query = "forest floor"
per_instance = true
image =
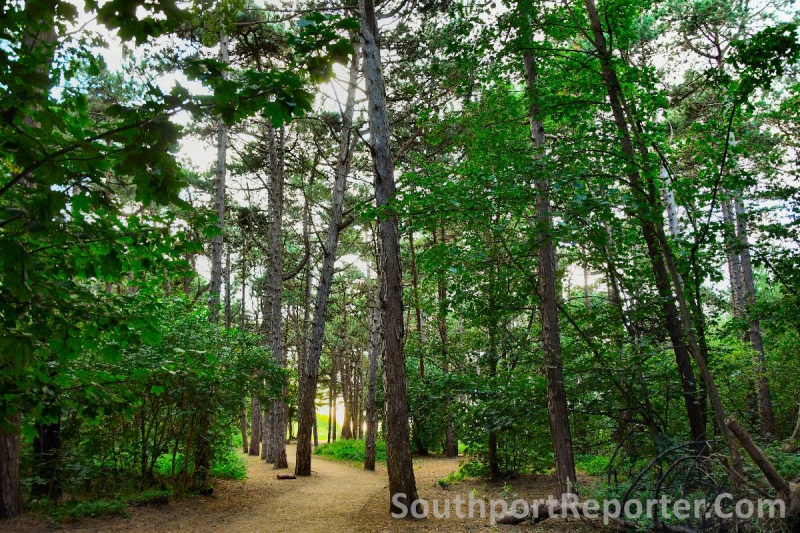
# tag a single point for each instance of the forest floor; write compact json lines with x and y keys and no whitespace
{"x":338,"y":497}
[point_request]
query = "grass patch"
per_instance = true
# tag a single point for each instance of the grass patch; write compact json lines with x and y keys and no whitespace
{"x":351,"y":450}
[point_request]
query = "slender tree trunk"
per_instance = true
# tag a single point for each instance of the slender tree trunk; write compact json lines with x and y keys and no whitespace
{"x":47,"y":455}
{"x":335,"y":423}
{"x":548,"y":299}
{"x":330,"y":408}
{"x":228,"y":316}
{"x":417,"y":307}
{"x":492,"y":441}
{"x":669,"y":202}
{"x":765,"y":411}
{"x":402,"y":484}
{"x":675,"y":328}
{"x":255,"y":426}
{"x":10,"y":504}
{"x":733,"y":257}
{"x":267,"y":430}
{"x":308,"y":381}
{"x":450,"y":443}
{"x":243,"y":427}
{"x":316,"y":430}
{"x":279,"y":407}
{"x":202,"y":465}
{"x":219,"y":200}
{"x":346,"y":395}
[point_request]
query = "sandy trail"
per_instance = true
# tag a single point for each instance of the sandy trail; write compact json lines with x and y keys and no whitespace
{"x":339,"y":497}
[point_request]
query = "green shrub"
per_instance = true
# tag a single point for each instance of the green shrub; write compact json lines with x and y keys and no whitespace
{"x":469,"y":468}
{"x":229,"y":465}
{"x":151,"y":497}
{"x":76,"y":510}
{"x":592,"y":465}
{"x":787,"y":463}
{"x":351,"y":450}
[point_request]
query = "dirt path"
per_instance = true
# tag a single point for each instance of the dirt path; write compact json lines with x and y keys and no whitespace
{"x":339,"y":497}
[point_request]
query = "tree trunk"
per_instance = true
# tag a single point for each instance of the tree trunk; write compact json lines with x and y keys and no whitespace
{"x":202,"y":465}
{"x":219,"y":200}
{"x":669,"y":202}
{"x":330,"y":408}
{"x":548,"y":299}
{"x":372,"y":380}
{"x":402,"y":484}
{"x":47,"y":452}
{"x":266,"y":435}
{"x":316,"y":430}
{"x":279,"y":408}
{"x":417,"y":307}
{"x":450,"y":443}
{"x":733,"y":257}
{"x":765,"y":411}
{"x":675,"y":328}
{"x":243,"y":427}
{"x":10,"y":504}
{"x":255,"y":426}
{"x":308,"y":381}
{"x":228,"y":316}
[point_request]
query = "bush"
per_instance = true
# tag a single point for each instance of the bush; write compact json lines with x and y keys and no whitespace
{"x":469,"y":468}
{"x":151,"y":497}
{"x":351,"y":450}
{"x":229,"y":465}
{"x":787,"y":463}
{"x":592,"y":465}
{"x":88,"y":509}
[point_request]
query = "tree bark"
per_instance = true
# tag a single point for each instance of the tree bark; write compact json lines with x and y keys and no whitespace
{"x":219,"y":200}
{"x":10,"y":504}
{"x":669,"y":202}
{"x":279,"y":407}
{"x":548,"y":299}
{"x":372,"y":380}
{"x":765,"y":410}
{"x":733,"y":257}
{"x":243,"y":428}
{"x":450,"y":443}
{"x":308,"y":381}
{"x":255,"y":426}
{"x":228,"y":311}
{"x":47,"y":453}
{"x":402,"y":484}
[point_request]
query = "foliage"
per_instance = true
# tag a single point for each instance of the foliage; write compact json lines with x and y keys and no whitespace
{"x":592,"y":465}
{"x":351,"y":450}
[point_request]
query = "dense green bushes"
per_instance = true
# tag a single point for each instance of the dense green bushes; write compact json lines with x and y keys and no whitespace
{"x":158,"y":414}
{"x":351,"y":450}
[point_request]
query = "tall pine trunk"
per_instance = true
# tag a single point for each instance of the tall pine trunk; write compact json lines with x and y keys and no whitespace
{"x":402,"y":484}
{"x":548,"y":298}
{"x":308,"y":380}
{"x":219,"y":200}
{"x":255,"y":426}
{"x":372,"y":380}
{"x":277,"y":419}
